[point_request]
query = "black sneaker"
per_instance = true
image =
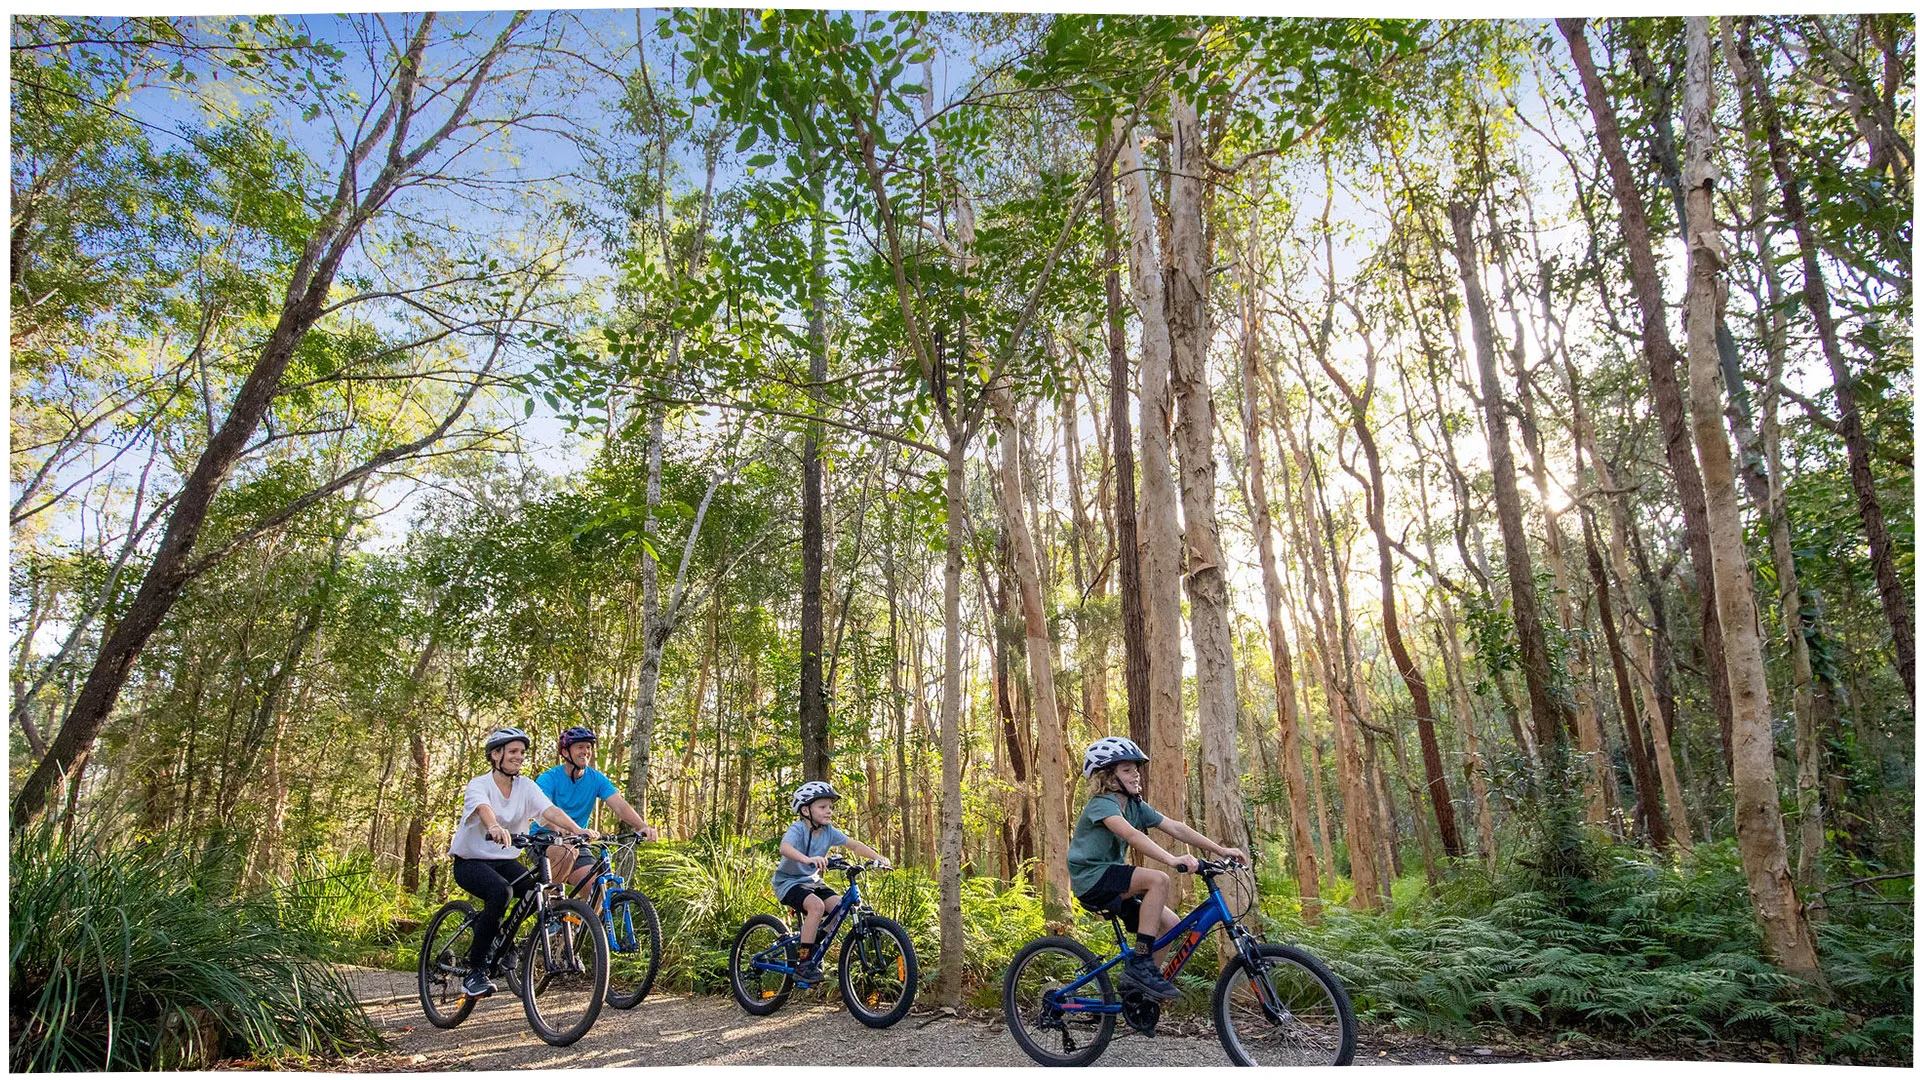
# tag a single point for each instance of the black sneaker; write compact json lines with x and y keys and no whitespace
{"x":476,"y":985}
{"x":809,"y":972}
{"x":1140,"y":973}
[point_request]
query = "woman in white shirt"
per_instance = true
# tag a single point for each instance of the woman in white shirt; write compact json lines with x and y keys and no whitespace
{"x":499,"y":804}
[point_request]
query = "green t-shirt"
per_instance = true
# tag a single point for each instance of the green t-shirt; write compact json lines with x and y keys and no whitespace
{"x":1094,"y":847}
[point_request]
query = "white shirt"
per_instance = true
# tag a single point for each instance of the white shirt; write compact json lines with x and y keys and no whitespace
{"x":514,"y":811}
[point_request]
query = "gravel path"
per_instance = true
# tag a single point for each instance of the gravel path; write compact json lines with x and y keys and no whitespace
{"x":669,"y":1029}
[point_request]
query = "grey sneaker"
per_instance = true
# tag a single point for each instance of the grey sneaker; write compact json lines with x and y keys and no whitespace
{"x":476,"y":985}
{"x":809,"y":971}
{"x":1140,"y":973}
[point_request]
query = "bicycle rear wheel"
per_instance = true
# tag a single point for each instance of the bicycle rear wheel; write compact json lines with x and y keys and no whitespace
{"x":1051,"y":1035}
{"x":758,"y":990}
{"x":633,"y":944}
{"x":443,"y":964}
{"x":1283,"y":1007}
{"x":563,"y":972}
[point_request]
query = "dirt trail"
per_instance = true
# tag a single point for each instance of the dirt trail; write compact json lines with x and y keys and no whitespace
{"x":671,"y":1029}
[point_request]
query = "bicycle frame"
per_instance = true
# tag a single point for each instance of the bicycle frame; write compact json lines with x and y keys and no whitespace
{"x":534,"y":902}
{"x":1194,"y":928}
{"x":603,"y":886}
{"x":849,"y":903}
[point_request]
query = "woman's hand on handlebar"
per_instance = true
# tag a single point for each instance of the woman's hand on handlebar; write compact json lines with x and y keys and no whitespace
{"x":499,"y":835}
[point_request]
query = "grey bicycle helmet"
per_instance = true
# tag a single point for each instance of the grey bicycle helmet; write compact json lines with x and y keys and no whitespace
{"x":505,"y":735}
{"x":811,"y":791}
{"x":1111,"y":750}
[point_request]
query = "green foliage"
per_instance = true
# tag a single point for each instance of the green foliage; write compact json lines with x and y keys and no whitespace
{"x":1649,"y":953}
{"x":138,"y":958}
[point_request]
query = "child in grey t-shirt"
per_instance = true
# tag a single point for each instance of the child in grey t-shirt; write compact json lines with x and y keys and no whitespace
{"x":803,"y":850}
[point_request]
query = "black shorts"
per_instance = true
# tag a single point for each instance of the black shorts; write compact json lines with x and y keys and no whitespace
{"x":1105,"y":896}
{"x":796,"y":895}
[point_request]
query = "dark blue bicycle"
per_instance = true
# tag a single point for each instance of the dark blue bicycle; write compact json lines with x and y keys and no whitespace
{"x":632,"y":926}
{"x":1273,"y":1004}
{"x":878,"y":969}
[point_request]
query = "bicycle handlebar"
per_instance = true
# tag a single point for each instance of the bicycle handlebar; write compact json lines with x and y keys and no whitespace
{"x":545,"y":840}
{"x":1208,"y":868}
{"x":847,"y":865}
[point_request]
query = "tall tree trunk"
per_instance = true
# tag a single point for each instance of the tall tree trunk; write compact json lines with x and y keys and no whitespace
{"x":417,"y":743}
{"x":1641,"y":646}
{"x":814,"y":757}
{"x":1286,"y":705}
{"x":1057,"y":894}
{"x":952,"y":928}
{"x":1550,"y":714}
{"x":1133,"y":612}
{"x":1762,"y":837}
{"x":1348,"y":765}
{"x":1159,"y":527}
{"x":1645,"y":787}
{"x":1191,"y":331}
{"x":1812,"y":703}
{"x":1894,"y":601}
{"x":1663,"y":363}
{"x":903,"y":810}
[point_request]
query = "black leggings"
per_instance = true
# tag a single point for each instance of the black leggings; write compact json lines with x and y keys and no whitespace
{"x":495,"y":882}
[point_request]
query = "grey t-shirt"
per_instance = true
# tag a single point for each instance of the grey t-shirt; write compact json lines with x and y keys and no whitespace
{"x":809,"y":841}
{"x":1094,"y":848}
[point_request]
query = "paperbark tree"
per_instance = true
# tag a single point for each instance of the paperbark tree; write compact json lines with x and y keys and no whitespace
{"x":1286,"y":703}
{"x":1050,"y":763}
{"x":1663,"y":363}
{"x":1551,"y":718}
{"x":1190,"y":325}
{"x":1160,"y":541}
{"x":1757,"y":824}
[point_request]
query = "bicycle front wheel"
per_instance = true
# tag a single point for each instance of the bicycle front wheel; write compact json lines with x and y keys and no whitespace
{"x":443,"y":964}
{"x":878,"y":972}
{"x":1283,"y":1007}
{"x":1048,"y":1033}
{"x":563,"y":972}
{"x":633,"y":945}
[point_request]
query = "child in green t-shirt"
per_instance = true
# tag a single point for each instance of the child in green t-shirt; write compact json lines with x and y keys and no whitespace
{"x":1115,"y":818}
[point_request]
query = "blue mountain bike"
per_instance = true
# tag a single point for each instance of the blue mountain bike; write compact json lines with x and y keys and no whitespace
{"x":878,"y":969}
{"x":1273,"y":1004}
{"x":632,"y":926}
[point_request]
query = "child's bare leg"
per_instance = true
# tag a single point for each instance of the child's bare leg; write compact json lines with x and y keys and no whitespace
{"x":1151,"y":886}
{"x":814,"y":910}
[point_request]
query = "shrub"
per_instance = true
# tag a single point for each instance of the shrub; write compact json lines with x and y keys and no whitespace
{"x":136,"y":958}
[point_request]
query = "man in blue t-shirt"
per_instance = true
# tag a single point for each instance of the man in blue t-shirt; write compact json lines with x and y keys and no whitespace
{"x":575,"y":786}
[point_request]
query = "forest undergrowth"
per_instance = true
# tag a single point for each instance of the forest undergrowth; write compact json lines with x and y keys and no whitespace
{"x":1610,"y":946}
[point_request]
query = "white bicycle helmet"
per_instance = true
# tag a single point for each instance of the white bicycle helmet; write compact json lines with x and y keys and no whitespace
{"x":1111,"y":750}
{"x":810,"y":791}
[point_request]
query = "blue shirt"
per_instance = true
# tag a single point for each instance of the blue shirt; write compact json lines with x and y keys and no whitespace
{"x":577,"y":797}
{"x":809,"y":841}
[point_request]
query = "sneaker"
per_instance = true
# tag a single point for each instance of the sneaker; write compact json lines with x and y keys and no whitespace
{"x":1140,"y":973}
{"x":476,"y":985}
{"x":809,"y":972}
